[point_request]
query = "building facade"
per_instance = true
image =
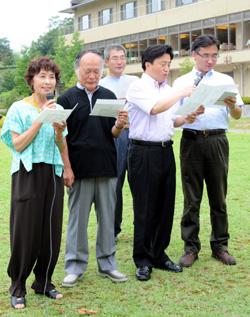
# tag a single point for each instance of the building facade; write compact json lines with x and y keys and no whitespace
{"x":139,"y":24}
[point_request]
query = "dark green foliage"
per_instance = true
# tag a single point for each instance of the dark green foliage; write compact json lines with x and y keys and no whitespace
{"x":65,"y":56}
{"x":7,"y":80}
{"x":6,"y":54}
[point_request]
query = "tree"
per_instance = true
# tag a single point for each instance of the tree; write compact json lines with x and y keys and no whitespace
{"x":46,"y":43}
{"x":7,"y":80}
{"x":52,"y":44}
{"x":65,"y":56}
{"x":22,"y":64}
{"x":6,"y":54}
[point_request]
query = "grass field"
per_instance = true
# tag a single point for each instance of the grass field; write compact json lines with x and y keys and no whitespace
{"x":242,"y":124}
{"x":209,"y":288}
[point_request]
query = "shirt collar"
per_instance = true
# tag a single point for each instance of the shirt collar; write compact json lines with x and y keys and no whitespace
{"x":196,"y":73}
{"x":153,"y":81}
{"x":160,"y":84}
{"x":78,"y":85}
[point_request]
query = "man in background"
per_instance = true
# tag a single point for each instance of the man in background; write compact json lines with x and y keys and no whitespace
{"x":116,"y":81}
{"x":204,"y":152}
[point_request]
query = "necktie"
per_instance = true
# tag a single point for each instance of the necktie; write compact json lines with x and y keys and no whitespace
{"x":198,"y":79}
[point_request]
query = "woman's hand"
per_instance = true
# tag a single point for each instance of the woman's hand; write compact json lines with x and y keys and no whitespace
{"x":59,"y":128}
{"x":49,"y":104}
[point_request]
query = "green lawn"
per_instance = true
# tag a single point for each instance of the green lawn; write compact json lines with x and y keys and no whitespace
{"x":207,"y":289}
{"x":242,"y":124}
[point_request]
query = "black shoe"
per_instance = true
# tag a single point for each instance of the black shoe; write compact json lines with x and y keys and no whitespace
{"x":17,"y":301}
{"x":169,"y":266}
{"x":143,"y":273}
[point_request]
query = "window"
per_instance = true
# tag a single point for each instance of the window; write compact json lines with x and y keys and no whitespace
{"x":84,"y":22}
{"x":183,"y":2}
{"x":105,"y":16}
{"x":155,"y":5}
{"x":128,"y":10}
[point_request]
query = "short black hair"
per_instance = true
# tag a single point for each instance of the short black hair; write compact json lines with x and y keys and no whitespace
{"x":155,"y":51}
{"x":204,"y":40}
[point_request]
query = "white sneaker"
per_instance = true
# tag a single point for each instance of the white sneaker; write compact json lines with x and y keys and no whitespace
{"x":114,"y":275}
{"x":70,"y":280}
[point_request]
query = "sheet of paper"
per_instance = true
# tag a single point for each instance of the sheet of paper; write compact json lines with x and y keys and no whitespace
{"x":226,"y":94}
{"x":107,"y":107}
{"x":49,"y":115}
{"x":205,"y":95}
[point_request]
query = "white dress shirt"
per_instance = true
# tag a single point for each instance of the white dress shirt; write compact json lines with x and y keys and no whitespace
{"x":141,"y":97}
{"x":216,"y":117}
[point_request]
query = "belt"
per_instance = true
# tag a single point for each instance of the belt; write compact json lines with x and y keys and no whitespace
{"x":152,"y":143}
{"x":205,"y":133}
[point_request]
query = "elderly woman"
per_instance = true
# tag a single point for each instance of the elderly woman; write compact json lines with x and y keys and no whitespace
{"x":37,"y":185}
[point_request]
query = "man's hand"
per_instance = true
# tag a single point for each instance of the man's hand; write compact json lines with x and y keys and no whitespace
{"x":120,"y":123}
{"x":187,"y":91}
{"x":122,"y":119}
{"x":59,"y":127}
{"x":68,"y":177}
{"x":190,"y":118}
{"x":230,"y":102}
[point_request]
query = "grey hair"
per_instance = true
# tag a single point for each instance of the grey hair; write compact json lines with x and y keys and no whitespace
{"x":116,"y":47}
{"x":81,"y":54}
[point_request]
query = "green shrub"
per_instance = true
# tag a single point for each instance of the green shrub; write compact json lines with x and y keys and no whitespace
{"x":186,"y":66}
{"x":246,"y":100}
{"x":8,"y":97}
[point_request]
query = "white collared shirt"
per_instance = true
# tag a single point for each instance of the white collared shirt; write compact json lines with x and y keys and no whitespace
{"x":213,"y":117}
{"x":142,"y":95}
{"x":89,"y":93}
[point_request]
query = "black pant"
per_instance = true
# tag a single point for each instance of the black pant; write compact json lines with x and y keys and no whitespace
{"x":204,"y":158}
{"x":151,"y":175}
{"x":34,"y":242}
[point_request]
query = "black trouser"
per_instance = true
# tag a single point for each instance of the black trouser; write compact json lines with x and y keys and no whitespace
{"x":204,"y":158}
{"x":33,"y":240}
{"x":151,"y":175}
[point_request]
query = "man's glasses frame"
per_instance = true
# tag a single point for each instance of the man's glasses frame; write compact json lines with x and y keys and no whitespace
{"x":207,"y":57}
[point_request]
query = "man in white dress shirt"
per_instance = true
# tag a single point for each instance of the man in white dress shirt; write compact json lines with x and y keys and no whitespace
{"x":151,"y":163}
{"x":116,"y":81}
{"x":204,"y":154}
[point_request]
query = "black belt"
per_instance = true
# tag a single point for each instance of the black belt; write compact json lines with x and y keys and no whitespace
{"x":205,"y":133}
{"x":152,"y":143}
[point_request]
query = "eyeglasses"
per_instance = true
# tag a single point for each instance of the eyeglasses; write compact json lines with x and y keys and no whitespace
{"x":207,"y":57}
{"x":117,"y":58}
